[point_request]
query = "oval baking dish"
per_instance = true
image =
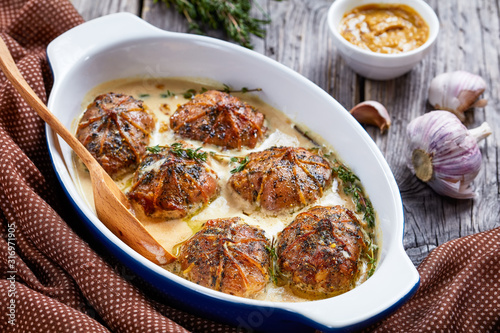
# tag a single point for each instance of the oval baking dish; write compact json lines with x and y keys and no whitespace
{"x":122,"y":46}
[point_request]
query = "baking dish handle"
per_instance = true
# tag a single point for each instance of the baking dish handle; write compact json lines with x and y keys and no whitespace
{"x":87,"y":39}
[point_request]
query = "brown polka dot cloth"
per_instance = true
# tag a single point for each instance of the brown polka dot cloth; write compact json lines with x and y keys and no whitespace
{"x":53,"y":281}
{"x":459,"y":289}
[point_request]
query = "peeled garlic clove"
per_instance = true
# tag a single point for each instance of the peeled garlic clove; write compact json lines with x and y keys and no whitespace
{"x":372,"y":113}
{"x":444,"y":153}
{"x":457,"y":92}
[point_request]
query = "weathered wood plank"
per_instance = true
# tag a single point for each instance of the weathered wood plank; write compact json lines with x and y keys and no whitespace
{"x":298,"y":37}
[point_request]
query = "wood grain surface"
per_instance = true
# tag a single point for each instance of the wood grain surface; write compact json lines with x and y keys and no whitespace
{"x":469,"y":39}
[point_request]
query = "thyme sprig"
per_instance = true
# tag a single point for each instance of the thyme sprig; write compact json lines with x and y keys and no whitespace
{"x":231,"y":16}
{"x":154,"y":149}
{"x":190,"y":93}
{"x":352,"y":187}
{"x":274,"y":271}
{"x":372,"y":258}
{"x":242,"y":165}
{"x":228,"y":90}
{"x":178,"y":149}
{"x":167,"y":94}
{"x":194,"y":154}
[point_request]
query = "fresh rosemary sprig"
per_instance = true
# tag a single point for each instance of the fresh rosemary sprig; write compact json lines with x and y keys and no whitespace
{"x":232,"y":16}
{"x":353,"y":188}
{"x":194,"y":154}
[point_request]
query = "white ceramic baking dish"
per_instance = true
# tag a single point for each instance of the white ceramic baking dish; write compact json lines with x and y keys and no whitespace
{"x":122,"y":45}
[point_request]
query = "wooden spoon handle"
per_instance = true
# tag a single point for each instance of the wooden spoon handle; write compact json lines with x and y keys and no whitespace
{"x":12,"y":73}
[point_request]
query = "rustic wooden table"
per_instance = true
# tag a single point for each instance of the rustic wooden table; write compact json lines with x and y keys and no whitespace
{"x":298,"y":37}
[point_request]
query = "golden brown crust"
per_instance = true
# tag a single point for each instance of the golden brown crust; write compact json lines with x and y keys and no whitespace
{"x":170,"y":186}
{"x":227,"y":255}
{"x":218,"y":118}
{"x":318,"y":253}
{"x":116,"y":129}
{"x":282,"y":178}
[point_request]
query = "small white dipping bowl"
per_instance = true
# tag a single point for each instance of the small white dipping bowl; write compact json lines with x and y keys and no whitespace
{"x":379,"y":66}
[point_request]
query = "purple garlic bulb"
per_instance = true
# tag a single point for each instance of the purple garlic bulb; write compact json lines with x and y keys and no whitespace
{"x":444,"y":153}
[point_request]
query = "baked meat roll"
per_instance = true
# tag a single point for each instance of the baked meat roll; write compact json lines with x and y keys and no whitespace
{"x":229,"y":256}
{"x":282,"y":178}
{"x":319,"y":252}
{"x":170,"y":183}
{"x":218,"y":118}
{"x":116,"y":130}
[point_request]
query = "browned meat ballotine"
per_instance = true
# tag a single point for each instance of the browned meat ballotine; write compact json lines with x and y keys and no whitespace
{"x":227,"y":255}
{"x":319,"y":252}
{"x":218,"y":118}
{"x":172,"y":182}
{"x":116,"y":129}
{"x":282,"y":178}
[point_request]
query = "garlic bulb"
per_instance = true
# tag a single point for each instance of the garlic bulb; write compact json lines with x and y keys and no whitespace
{"x":457,"y":92}
{"x":444,"y":153}
{"x":372,"y":113}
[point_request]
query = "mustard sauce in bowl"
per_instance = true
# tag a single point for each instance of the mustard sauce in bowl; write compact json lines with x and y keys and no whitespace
{"x":384,"y":28}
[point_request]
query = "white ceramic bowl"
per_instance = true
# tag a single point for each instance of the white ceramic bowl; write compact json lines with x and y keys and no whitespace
{"x":122,"y":45}
{"x":374,"y":65}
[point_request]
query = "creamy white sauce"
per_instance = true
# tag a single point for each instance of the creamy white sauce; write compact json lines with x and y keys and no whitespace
{"x":280,"y":132}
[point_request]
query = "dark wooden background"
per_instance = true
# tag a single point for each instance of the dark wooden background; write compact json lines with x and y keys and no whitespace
{"x":469,"y":39}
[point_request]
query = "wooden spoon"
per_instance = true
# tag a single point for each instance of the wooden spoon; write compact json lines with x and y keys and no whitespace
{"x":110,"y":203}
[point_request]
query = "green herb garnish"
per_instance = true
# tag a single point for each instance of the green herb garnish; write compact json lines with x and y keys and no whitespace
{"x":143,"y":95}
{"x":155,"y":150}
{"x":167,"y":94}
{"x":242,"y":164}
{"x":353,"y":188}
{"x":189,"y":94}
{"x":372,"y":261}
{"x":273,"y":268}
{"x":227,"y":89}
{"x":194,"y":154}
